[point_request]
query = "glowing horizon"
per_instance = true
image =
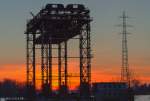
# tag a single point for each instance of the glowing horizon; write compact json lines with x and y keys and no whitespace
{"x":18,"y":73}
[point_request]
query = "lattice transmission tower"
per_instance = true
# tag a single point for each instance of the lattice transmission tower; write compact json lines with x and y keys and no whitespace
{"x":125,"y":72}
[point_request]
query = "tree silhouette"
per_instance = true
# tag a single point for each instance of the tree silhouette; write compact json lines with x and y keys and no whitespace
{"x":11,"y":88}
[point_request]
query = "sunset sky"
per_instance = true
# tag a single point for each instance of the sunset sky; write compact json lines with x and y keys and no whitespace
{"x":106,"y":40}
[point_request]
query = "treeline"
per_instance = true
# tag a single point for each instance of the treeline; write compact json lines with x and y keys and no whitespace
{"x":11,"y":88}
{"x":143,"y":89}
{"x":140,"y":88}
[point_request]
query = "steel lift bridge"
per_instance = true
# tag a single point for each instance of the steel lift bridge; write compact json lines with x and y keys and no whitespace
{"x":55,"y":25}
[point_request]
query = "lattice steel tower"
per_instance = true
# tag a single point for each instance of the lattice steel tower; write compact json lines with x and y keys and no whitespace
{"x":50,"y":30}
{"x":125,"y":73}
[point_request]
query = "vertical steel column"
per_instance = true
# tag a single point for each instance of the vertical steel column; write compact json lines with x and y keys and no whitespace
{"x":59,"y":66}
{"x":63,"y":72}
{"x":85,"y":61}
{"x":88,"y":29}
{"x":44,"y":64}
{"x":66,"y":65}
{"x":34,"y":66}
{"x":50,"y":66}
{"x":31,"y":80}
{"x":44,"y":69}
